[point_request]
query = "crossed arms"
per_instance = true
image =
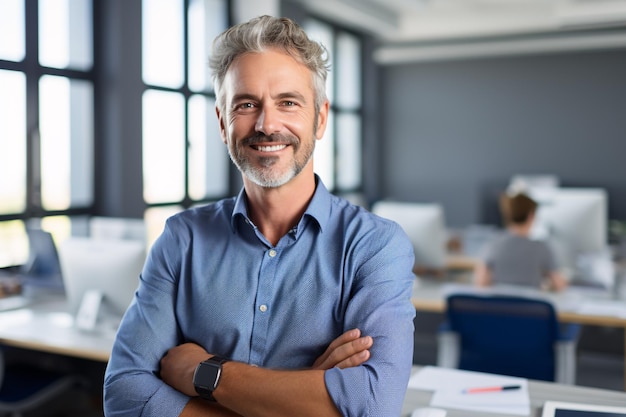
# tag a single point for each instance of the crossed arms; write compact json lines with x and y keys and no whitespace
{"x":246,"y":390}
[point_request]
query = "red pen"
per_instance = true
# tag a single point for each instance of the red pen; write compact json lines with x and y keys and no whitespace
{"x":478,"y":390}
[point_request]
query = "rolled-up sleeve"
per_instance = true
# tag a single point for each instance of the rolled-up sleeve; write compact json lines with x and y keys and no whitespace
{"x":381,"y":307}
{"x":132,"y":386}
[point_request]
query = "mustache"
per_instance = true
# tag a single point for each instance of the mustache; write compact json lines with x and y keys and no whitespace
{"x":275,"y":137}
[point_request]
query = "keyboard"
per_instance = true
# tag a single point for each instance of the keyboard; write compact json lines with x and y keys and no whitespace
{"x":13,"y":302}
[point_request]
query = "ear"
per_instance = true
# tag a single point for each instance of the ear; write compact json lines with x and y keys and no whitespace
{"x":322,"y":120}
{"x":222,"y":126}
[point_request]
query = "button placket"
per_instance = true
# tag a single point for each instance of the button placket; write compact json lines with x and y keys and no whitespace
{"x":265,"y":297}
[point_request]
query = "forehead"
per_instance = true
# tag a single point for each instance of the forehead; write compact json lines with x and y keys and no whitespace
{"x":271,"y":70}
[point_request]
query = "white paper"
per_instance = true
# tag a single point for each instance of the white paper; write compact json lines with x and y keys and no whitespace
{"x":604,"y":308}
{"x":449,"y":385}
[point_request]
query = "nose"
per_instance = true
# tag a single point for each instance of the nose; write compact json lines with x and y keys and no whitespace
{"x":268,"y":121}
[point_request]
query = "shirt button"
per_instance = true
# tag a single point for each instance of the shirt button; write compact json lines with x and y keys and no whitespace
{"x":263,"y":308}
{"x":272,"y":253}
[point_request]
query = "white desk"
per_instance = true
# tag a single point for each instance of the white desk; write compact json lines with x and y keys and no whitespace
{"x":46,"y":326}
{"x":575,"y":305}
{"x":539,"y":392}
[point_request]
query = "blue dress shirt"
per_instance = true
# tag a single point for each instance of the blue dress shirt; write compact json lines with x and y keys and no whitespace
{"x":212,"y":278}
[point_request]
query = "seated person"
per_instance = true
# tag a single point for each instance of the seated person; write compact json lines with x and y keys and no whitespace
{"x":513,"y":258}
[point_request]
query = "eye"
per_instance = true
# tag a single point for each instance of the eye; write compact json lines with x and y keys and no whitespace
{"x":245,"y":106}
{"x":289,"y":103}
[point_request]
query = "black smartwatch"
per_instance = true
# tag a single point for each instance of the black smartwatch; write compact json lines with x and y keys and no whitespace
{"x":207,"y":376}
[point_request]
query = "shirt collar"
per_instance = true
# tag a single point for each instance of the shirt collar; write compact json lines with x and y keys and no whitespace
{"x":318,"y":209}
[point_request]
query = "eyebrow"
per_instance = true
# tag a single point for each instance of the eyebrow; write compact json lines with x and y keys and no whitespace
{"x":293,"y":94}
{"x":281,"y":96}
{"x":245,"y":96}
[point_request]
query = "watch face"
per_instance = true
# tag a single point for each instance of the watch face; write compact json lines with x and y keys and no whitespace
{"x":207,"y":375}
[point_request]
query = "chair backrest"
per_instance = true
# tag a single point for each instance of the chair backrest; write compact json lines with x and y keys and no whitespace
{"x":43,"y":259}
{"x":503,"y":334}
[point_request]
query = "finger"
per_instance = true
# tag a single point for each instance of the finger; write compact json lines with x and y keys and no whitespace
{"x":346,"y":337}
{"x":354,"y":360}
{"x":346,"y":351}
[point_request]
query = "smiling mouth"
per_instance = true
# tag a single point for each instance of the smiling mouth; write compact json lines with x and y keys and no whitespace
{"x":269,"y":148}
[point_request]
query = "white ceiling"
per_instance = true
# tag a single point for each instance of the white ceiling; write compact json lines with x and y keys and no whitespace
{"x":408,"y":25}
{"x":426,"y":20}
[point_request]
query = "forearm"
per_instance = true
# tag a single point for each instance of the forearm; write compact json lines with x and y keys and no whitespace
{"x":197,"y":407}
{"x":482,"y":275}
{"x":255,"y":392}
{"x":558,"y":281}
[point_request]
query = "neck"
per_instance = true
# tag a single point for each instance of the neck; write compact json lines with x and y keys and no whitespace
{"x":275,"y":211}
{"x":520,"y":229}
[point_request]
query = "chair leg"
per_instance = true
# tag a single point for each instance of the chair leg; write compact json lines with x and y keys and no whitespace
{"x":565,"y":362}
{"x":448,"y":349}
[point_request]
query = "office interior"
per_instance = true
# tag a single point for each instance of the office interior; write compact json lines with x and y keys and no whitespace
{"x":444,"y":120}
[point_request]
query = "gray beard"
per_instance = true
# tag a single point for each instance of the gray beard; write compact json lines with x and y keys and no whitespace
{"x":263,"y":176}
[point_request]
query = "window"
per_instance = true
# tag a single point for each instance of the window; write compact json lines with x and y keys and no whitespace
{"x":46,"y":118}
{"x":338,"y":154}
{"x":184,"y":160}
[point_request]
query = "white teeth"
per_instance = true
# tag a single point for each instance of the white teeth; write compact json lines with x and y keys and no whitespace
{"x":272,"y":148}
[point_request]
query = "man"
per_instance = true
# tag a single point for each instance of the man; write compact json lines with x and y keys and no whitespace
{"x":286,"y":301}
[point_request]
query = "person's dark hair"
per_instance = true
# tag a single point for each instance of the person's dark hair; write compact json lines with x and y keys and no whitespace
{"x":266,"y":32}
{"x":516,"y":209}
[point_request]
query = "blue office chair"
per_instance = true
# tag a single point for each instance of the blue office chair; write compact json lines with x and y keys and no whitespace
{"x":507,"y":335}
{"x":24,"y":388}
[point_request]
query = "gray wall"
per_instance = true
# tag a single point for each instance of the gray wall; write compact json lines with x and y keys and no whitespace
{"x":119,"y":88}
{"x":456,"y":131}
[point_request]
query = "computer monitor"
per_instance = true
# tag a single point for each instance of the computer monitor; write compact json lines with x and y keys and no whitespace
{"x":42,"y":268}
{"x":574,"y":221}
{"x":106,"y":268}
{"x":424,"y":223}
{"x":539,"y":187}
{"x":43,"y":258}
{"x":101,"y":227}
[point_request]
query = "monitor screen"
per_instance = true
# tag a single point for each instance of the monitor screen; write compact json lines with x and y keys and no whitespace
{"x":43,"y":258}
{"x":569,"y":409}
{"x":424,"y":223}
{"x":109,"y":266}
{"x":42,"y":269}
{"x":574,"y":222}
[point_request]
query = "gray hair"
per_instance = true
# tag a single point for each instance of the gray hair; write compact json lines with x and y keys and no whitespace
{"x":261,"y":33}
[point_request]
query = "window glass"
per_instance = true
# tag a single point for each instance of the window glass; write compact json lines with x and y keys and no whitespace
{"x":324,"y":156}
{"x":338,"y":154}
{"x":163,"y":146}
{"x":65,"y":34}
{"x":155,"y":218}
{"x":207,"y":19}
{"x":12,"y":142}
{"x":60,"y":227}
{"x":323,"y":34}
{"x":348,"y":151}
{"x":348,"y":71}
{"x":208,"y":156}
{"x":13,"y":243}
{"x":66,"y":135}
{"x":12,"y":27}
{"x":162,"y":43}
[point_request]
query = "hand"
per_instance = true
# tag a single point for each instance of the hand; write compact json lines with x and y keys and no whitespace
{"x":346,"y":351}
{"x":179,"y":364}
